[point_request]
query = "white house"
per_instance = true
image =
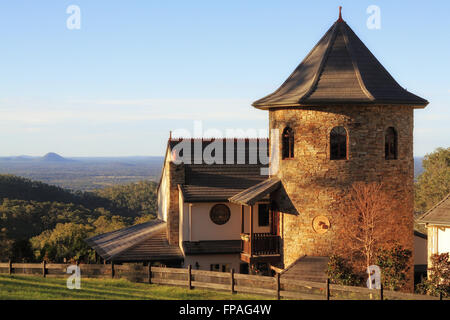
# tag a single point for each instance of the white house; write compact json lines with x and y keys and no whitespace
{"x":437,"y":221}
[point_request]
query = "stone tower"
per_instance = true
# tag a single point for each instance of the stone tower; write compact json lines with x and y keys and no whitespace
{"x":342,"y":118}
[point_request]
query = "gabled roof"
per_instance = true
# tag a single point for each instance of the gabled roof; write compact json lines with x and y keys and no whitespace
{"x":340,"y":69}
{"x":439,"y":214}
{"x":217,"y":183}
{"x":240,"y":168}
{"x":257,"y":192}
{"x":141,"y":242}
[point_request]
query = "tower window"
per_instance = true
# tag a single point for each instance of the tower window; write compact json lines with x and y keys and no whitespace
{"x":287,"y":143}
{"x":390,"y":144}
{"x":338,"y":143}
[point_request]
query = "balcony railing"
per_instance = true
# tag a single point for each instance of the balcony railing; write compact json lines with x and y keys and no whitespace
{"x":260,"y":244}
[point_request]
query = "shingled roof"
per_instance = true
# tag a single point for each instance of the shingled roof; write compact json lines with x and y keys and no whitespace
{"x":215,"y":183}
{"x":240,"y":168}
{"x":141,"y":242}
{"x":340,"y":69}
{"x":439,"y":214}
{"x":257,"y":192}
{"x":233,"y":150}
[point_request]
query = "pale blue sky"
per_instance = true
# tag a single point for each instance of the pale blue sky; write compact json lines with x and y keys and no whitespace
{"x":138,"y":69}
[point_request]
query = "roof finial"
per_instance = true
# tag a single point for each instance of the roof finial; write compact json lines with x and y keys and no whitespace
{"x":170,"y":136}
{"x":340,"y":14}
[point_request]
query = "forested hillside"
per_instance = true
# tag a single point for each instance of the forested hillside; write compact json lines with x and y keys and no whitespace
{"x":38,"y":220}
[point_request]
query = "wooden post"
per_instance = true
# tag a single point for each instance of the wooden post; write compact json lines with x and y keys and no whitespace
{"x":277,"y":278}
{"x":232,"y":281}
{"x":112,"y":270}
{"x":381,"y":291}
{"x":43,"y":268}
{"x":251,"y":231}
{"x":10,"y":267}
{"x":242,"y":219}
{"x":190,"y":277}
{"x":440,"y":295}
{"x":327,"y":289}
{"x":149,"y":272}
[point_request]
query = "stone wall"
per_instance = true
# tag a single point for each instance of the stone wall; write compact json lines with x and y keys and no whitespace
{"x":176,"y":176}
{"x":312,"y":182}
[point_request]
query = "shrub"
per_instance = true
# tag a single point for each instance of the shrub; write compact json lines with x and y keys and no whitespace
{"x":394,"y":265}
{"x":439,"y":277}
{"x":340,"y":271}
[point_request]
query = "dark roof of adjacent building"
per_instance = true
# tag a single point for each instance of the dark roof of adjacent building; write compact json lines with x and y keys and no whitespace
{"x":212,"y":247}
{"x":142,"y":242}
{"x":340,"y":69}
{"x":257,"y":192}
{"x":439,"y":214}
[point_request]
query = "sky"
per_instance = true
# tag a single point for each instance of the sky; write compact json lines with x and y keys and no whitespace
{"x":135,"y":70}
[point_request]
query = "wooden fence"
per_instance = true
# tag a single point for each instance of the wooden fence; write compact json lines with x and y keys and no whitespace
{"x":234,"y":282}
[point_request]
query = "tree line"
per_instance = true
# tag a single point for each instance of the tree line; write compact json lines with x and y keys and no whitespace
{"x":39,"y":221}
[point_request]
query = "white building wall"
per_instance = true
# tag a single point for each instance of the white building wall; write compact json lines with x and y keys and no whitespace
{"x":164,"y":191}
{"x":443,"y":235}
{"x":202,"y":228}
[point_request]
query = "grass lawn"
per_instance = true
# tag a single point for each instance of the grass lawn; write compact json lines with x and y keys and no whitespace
{"x":37,"y":288}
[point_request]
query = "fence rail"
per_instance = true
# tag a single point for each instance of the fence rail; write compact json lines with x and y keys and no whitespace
{"x":233,"y":282}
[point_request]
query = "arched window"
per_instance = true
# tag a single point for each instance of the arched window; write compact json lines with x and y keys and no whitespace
{"x":287,"y":141}
{"x":390,"y":144}
{"x":338,"y":143}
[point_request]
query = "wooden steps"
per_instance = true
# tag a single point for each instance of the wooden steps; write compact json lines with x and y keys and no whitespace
{"x":307,"y":268}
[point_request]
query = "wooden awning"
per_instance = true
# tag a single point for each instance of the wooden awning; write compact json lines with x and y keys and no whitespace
{"x":257,"y":192}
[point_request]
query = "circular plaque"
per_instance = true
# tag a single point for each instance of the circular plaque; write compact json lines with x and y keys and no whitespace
{"x":321,"y":224}
{"x":220,"y":214}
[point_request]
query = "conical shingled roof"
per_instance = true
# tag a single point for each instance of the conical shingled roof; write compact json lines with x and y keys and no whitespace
{"x":339,"y":70}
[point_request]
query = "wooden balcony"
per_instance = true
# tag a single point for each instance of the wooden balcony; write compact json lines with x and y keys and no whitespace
{"x":260,"y":247}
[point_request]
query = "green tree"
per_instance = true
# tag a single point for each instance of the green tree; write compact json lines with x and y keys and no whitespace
{"x":5,"y":245}
{"x":434,"y":182}
{"x":107,"y":224}
{"x":394,"y":265}
{"x":64,"y":243}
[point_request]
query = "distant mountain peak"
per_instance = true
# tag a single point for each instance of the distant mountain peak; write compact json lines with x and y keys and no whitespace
{"x":51,"y":156}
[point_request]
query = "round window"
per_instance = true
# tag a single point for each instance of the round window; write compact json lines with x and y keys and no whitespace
{"x":220,"y":214}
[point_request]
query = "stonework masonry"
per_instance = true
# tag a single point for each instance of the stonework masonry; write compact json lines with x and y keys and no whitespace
{"x":176,"y":177}
{"x":312,"y":182}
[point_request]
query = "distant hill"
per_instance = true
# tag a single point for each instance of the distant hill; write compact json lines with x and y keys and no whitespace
{"x":83,"y":173}
{"x":54,"y":157}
